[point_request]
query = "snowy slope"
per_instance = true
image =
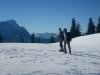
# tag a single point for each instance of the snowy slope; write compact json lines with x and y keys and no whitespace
{"x":44,"y":59}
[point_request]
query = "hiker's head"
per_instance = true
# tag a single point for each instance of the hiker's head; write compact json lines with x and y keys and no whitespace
{"x":60,"y":29}
{"x":65,"y":30}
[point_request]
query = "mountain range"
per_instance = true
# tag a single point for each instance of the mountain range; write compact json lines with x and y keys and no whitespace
{"x":12,"y":32}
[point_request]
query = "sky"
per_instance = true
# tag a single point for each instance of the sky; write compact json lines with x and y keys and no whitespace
{"x":41,"y":16}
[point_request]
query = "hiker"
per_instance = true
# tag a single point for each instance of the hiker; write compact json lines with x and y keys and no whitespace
{"x":61,"y":39}
{"x":67,"y":39}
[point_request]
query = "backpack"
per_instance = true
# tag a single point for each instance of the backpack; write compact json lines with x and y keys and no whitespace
{"x":69,"y":37}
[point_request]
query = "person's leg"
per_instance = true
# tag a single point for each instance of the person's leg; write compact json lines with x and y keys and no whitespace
{"x":65,"y":47}
{"x":61,"y":45}
{"x":69,"y":47}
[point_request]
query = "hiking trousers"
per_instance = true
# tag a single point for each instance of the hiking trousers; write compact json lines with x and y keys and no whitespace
{"x":68,"y":43}
{"x":61,"y":44}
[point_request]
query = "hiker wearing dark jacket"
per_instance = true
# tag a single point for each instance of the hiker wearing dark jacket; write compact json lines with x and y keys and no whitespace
{"x":67,"y":39}
{"x":61,"y":39}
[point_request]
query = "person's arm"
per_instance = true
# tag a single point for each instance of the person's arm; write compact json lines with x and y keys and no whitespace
{"x":56,"y":35}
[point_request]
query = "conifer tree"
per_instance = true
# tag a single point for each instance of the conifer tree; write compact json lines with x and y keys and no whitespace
{"x":91,"y":27}
{"x":78,"y":30}
{"x":98,"y":26}
{"x":33,"y":40}
{"x":1,"y":39}
{"x":52,"y":40}
{"x":73,"y":28}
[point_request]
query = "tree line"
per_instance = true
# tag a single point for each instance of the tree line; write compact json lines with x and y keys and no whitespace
{"x":91,"y":28}
{"x":75,"y":30}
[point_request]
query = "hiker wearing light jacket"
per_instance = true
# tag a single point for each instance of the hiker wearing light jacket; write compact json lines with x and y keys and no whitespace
{"x":67,"y":39}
